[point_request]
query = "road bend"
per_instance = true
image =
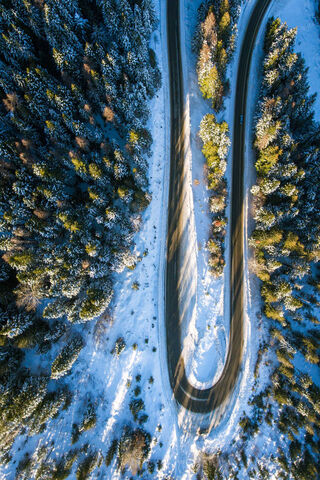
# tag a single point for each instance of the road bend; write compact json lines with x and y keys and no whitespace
{"x":205,"y":401}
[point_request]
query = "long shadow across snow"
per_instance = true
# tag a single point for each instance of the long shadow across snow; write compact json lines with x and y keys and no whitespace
{"x":206,"y":400}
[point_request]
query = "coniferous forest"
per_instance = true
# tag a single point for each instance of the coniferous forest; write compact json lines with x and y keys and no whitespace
{"x":88,"y":386}
{"x":75,"y":79}
{"x":285,"y":255}
{"x":73,"y":156}
{"x":285,"y":242}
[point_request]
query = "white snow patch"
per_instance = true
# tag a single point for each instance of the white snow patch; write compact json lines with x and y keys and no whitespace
{"x":205,"y":331}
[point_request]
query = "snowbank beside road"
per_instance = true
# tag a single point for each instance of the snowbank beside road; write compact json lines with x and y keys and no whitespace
{"x":206,"y":333}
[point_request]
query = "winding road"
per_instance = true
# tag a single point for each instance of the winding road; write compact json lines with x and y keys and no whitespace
{"x":206,"y":400}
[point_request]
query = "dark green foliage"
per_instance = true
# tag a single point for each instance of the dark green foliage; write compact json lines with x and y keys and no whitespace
{"x":137,"y":391}
{"x":66,"y":358}
{"x":136,"y":406}
{"x":24,"y":399}
{"x":151,"y":467}
{"x":211,"y":468}
{"x":318,"y":10}
{"x":143,"y":419}
{"x":247,"y":425}
{"x":111,"y":452}
{"x":89,"y":419}
{"x":87,"y":466}
{"x":119,"y":346}
{"x":75,"y":433}
{"x":73,"y":109}
{"x":47,"y":409}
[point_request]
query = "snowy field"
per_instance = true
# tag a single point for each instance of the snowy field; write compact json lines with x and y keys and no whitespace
{"x":138,"y":314}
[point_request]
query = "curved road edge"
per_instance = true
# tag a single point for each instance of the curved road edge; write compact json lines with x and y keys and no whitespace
{"x":207,"y":400}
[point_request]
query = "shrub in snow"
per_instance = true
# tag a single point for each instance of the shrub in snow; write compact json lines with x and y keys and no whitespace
{"x":136,"y":406}
{"x":87,"y":466}
{"x":111,"y":452}
{"x":133,"y":448}
{"x":119,"y":346}
{"x":135,"y":285}
{"x":151,"y":467}
{"x":89,"y":418}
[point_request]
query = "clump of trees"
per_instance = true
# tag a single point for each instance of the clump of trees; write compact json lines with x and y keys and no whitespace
{"x":74,"y":84}
{"x":41,"y":466}
{"x":75,"y":79}
{"x":26,"y":403}
{"x":214,"y":44}
{"x":215,"y":149}
{"x":131,"y":450}
{"x":286,"y":239}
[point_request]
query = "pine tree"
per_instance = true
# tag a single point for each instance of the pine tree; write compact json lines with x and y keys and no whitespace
{"x":66,"y":358}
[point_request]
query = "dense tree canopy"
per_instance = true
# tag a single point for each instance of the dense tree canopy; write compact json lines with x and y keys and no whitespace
{"x":285,"y":243}
{"x":74,"y":81}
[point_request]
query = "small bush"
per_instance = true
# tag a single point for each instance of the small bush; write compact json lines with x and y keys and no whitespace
{"x":89,"y":418}
{"x":111,"y":452}
{"x":136,"y":406}
{"x":87,"y":466}
{"x":120,"y":345}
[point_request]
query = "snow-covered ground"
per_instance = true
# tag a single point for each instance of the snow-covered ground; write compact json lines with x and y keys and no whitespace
{"x":138,"y":315}
{"x":206,"y":348}
{"x":206,"y":333}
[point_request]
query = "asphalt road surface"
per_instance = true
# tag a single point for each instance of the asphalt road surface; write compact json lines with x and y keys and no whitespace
{"x":206,"y":400}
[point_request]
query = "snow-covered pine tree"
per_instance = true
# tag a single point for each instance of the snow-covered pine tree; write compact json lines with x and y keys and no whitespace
{"x":66,"y":358}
